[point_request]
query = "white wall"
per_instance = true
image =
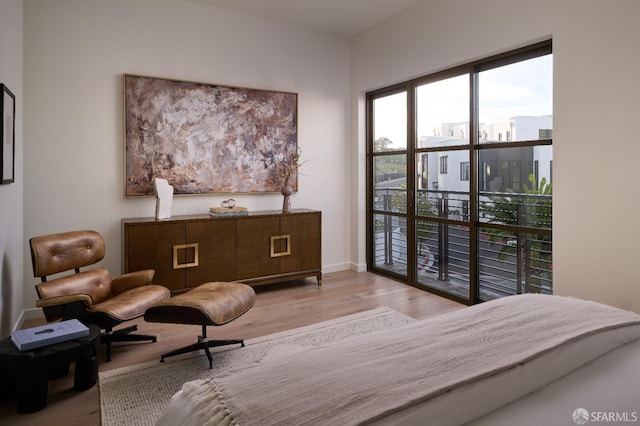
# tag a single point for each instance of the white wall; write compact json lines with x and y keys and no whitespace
{"x":596,"y":62}
{"x":11,"y":261}
{"x":75,"y":54}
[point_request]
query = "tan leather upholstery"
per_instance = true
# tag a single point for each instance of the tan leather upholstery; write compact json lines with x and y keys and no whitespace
{"x":132,"y":303}
{"x":208,"y":304}
{"x":90,"y":296}
{"x":94,"y":283}
{"x":131,"y":280}
{"x":62,"y":252}
{"x":214,"y":303}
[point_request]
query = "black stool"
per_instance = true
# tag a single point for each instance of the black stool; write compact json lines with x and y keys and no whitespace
{"x":25,"y":374}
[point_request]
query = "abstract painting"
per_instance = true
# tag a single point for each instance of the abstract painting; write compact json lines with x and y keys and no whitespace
{"x":205,"y":138}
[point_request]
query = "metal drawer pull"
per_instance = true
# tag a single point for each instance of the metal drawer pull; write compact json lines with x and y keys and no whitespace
{"x":287,"y":245}
{"x":177,"y":248}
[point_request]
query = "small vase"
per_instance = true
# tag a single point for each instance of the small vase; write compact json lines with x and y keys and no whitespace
{"x":286,"y":191}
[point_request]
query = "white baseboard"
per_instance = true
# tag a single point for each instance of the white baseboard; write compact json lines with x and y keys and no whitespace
{"x":26,"y":315}
{"x":31,"y":314}
{"x":358,"y":267}
{"x":347,"y":266}
{"x":18,"y":324}
{"x":337,"y":267}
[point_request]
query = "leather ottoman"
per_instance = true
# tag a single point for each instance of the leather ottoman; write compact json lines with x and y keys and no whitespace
{"x":215,"y":303}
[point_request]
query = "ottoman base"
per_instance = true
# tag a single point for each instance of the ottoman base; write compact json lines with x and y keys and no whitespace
{"x":203,"y":343}
{"x":215,"y":303}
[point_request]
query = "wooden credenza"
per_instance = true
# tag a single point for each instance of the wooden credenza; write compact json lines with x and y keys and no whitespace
{"x":260,"y":248}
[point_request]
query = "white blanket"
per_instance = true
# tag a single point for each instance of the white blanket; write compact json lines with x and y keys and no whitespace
{"x":370,"y":377}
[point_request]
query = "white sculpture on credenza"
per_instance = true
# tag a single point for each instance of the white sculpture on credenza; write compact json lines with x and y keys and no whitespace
{"x":164,"y":198}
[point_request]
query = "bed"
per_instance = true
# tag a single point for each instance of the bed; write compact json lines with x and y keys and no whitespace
{"x":487,"y":364}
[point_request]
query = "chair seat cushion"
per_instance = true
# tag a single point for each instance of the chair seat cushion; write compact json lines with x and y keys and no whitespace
{"x":132,"y":303}
{"x":214,"y":303}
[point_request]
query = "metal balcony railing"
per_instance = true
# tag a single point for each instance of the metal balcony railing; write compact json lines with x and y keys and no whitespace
{"x":510,"y":259}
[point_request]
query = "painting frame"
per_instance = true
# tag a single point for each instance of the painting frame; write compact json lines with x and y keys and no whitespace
{"x":207,"y":138}
{"x":8,"y":136}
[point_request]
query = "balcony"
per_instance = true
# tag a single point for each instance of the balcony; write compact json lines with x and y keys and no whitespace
{"x":514,"y":250}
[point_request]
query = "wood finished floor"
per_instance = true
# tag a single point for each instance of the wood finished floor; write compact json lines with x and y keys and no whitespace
{"x":278,"y":307}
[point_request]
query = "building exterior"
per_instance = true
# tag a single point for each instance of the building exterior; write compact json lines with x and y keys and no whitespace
{"x":500,"y":170}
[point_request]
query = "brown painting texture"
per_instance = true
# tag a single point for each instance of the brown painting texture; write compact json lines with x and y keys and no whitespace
{"x":205,"y":138}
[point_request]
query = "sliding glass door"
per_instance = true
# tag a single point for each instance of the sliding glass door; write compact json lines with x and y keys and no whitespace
{"x":459,"y":178}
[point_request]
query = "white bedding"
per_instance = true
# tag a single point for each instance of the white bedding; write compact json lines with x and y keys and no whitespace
{"x":468,"y":403}
{"x":609,"y":385}
{"x":471,"y":399}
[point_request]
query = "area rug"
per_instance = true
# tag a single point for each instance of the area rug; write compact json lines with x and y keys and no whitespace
{"x":137,"y":395}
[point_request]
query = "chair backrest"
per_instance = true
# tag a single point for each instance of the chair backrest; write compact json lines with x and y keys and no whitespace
{"x":66,"y":251}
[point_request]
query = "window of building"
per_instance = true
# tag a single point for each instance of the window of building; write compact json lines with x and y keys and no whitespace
{"x":444,"y":164}
{"x":464,"y":170}
{"x":544,"y":133}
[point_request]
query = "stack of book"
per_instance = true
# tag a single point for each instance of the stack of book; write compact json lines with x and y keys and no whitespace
{"x":55,"y":332}
{"x":228,"y":211}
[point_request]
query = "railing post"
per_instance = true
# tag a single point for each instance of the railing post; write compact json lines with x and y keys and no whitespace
{"x":521,"y":275}
{"x":388,"y":230}
{"x":443,"y":241}
{"x":526,"y":252}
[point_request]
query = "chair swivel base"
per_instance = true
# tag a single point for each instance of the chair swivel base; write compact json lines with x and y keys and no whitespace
{"x":123,"y":335}
{"x":203,"y":343}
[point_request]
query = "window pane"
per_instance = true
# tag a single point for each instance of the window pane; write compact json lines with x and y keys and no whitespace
{"x":390,"y":186}
{"x":390,"y":123}
{"x":443,"y":257}
{"x":442,"y":190}
{"x":443,"y":112}
{"x":515,"y":101}
{"x":514,"y":263}
{"x":390,"y":243}
{"x":515,"y":186}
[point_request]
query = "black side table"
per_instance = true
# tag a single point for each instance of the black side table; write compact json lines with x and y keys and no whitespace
{"x":25,"y":374}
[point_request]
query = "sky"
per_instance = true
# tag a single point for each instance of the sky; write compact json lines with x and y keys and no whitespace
{"x":523,"y":88}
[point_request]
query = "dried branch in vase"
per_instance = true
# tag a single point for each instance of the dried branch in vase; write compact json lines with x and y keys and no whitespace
{"x":288,"y":164}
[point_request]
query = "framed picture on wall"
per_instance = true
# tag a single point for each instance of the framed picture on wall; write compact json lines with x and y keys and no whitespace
{"x":8,"y":136}
{"x":206,"y":138}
